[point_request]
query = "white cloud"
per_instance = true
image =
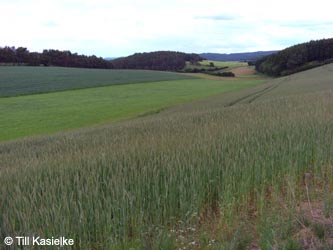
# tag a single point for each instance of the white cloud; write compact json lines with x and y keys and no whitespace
{"x":115,"y":28}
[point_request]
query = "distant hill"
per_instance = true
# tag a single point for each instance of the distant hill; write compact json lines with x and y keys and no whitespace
{"x":297,"y":58}
{"x":159,"y":60}
{"x":246,"y":56}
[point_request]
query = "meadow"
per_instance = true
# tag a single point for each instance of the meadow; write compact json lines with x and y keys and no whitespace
{"x":225,"y":172}
{"x":22,"y":80}
{"x":205,"y":64}
{"x":54,"y":112}
{"x":224,"y":64}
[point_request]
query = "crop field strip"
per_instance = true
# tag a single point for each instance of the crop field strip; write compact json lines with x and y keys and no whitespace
{"x":54,"y":112}
{"x":44,"y":113}
{"x":22,"y":80}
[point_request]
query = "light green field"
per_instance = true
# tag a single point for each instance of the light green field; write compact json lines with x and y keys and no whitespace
{"x":53,"y":112}
{"x":205,"y":64}
{"x":224,"y":64}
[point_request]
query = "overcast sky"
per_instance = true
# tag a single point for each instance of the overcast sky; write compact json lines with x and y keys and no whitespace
{"x":112,"y":28}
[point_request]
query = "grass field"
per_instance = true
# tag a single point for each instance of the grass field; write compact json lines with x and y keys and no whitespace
{"x":31,"y":80}
{"x":224,"y":64}
{"x":225,"y":172}
{"x":205,"y":64}
{"x":53,"y":112}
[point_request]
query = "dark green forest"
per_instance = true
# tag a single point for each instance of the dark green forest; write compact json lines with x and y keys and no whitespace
{"x":160,"y":60}
{"x":51,"y":57}
{"x":297,"y":58}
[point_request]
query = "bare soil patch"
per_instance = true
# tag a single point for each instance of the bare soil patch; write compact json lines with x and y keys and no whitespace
{"x":245,"y":70}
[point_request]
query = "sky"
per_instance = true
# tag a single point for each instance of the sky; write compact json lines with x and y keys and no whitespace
{"x":114,"y":28}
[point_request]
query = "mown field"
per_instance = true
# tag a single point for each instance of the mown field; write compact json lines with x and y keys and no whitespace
{"x":16,"y":81}
{"x":226,"y":172}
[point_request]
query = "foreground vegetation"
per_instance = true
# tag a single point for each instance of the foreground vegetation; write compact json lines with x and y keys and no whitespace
{"x":223,"y":173}
{"x":54,"y":112}
{"x":33,"y":80}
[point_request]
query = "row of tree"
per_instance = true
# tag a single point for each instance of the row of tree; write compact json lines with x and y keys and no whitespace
{"x":160,"y":60}
{"x":22,"y":56}
{"x":297,"y":58}
{"x":203,"y":69}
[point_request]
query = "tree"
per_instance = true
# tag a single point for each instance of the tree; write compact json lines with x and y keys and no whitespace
{"x":7,"y":55}
{"x":22,"y":55}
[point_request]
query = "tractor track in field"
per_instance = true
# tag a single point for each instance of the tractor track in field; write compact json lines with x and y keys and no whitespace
{"x":328,"y":68}
{"x":253,"y":96}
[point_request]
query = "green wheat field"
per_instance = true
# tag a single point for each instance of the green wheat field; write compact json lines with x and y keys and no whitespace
{"x":188,"y":164}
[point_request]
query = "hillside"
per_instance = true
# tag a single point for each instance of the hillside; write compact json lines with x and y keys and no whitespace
{"x":297,"y":58}
{"x":302,"y":83}
{"x":249,"y":169}
{"x":309,"y":81}
{"x":245,"y":56}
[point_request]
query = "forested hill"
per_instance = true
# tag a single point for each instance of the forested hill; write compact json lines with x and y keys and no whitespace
{"x":159,"y":60}
{"x":246,"y":56}
{"x":297,"y":58}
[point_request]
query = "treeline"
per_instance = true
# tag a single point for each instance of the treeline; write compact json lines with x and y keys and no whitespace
{"x":222,"y":74}
{"x":297,"y":58}
{"x":203,"y":69}
{"x":22,"y":56}
{"x":159,"y":60}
